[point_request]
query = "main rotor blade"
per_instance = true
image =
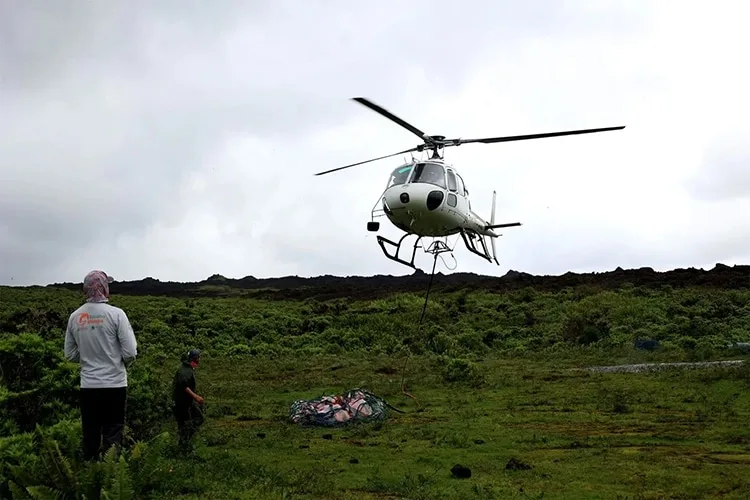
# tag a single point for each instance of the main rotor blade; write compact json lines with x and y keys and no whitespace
{"x":408,"y":126}
{"x":368,"y":161}
{"x":490,"y":140}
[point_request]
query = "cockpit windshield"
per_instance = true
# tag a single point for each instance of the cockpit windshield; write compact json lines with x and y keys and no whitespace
{"x":400,"y":175}
{"x":431,"y":173}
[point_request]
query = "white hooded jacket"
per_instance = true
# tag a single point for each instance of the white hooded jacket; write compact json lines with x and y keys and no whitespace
{"x":99,"y":336}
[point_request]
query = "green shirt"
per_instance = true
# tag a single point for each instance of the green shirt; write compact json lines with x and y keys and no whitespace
{"x":185,"y":377}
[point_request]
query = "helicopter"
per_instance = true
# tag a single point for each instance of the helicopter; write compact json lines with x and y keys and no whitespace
{"x":428,"y":198}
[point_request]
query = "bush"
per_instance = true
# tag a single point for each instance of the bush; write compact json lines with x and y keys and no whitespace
{"x":39,"y":385}
{"x":41,"y":388}
{"x":19,"y":455}
{"x":462,"y":371}
{"x":25,"y":359}
{"x":239,"y":350}
{"x":149,"y":402}
{"x":46,"y":464}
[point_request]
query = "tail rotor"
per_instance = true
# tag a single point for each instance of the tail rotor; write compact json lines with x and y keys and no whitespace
{"x":492,"y":222}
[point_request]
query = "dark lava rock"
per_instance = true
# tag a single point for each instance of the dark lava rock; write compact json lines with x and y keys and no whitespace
{"x":479,"y":441}
{"x":387,"y":370}
{"x":353,"y":461}
{"x":576,"y":444}
{"x":261,"y":435}
{"x":461,"y":472}
{"x":323,"y":288}
{"x":247,"y":418}
{"x":327,"y":436}
{"x":514,"y":464}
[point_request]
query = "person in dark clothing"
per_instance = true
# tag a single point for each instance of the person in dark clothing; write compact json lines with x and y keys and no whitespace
{"x":187,"y":403}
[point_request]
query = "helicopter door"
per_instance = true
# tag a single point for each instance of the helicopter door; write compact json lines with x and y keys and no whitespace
{"x":452,"y":185}
{"x":456,"y":197}
{"x":463,"y":194}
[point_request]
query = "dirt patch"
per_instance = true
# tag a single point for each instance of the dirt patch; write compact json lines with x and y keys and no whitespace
{"x":589,"y":429}
{"x":691,"y":452}
{"x":419,"y":419}
{"x":236,"y":423}
{"x":724,"y":458}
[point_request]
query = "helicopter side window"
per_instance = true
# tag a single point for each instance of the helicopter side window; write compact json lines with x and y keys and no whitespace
{"x":461,"y":187}
{"x":431,"y":173}
{"x":452,"y":181}
{"x":400,"y":175}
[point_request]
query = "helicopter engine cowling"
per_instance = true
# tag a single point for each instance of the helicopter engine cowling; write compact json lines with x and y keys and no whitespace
{"x":420,"y":208}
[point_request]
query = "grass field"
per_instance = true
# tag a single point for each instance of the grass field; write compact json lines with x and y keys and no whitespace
{"x":582,"y":435}
{"x":497,"y":375}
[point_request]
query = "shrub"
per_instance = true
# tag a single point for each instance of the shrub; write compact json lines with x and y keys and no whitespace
{"x":48,"y":469}
{"x":39,"y":386}
{"x":25,"y":359}
{"x":149,"y":402}
{"x":462,"y":371}
{"x":239,"y":350}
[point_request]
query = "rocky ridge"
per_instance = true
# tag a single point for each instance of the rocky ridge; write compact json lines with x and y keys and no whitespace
{"x":367,"y":287}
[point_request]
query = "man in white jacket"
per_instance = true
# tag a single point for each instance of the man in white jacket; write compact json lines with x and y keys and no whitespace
{"x":99,"y":337}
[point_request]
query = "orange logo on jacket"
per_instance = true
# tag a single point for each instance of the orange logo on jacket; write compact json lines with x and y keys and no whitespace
{"x":85,"y":319}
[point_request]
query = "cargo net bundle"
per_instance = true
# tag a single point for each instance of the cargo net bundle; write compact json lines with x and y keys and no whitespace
{"x":356,"y":405}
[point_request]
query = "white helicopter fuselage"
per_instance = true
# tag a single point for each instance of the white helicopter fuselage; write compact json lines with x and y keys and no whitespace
{"x":429,"y":199}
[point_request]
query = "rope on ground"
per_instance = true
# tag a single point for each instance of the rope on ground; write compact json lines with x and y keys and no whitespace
{"x":419,"y":328}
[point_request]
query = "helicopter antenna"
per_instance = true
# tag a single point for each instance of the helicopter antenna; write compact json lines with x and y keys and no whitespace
{"x":435,"y":143}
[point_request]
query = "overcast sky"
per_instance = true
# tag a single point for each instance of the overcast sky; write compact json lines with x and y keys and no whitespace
{"x":178,"y":139}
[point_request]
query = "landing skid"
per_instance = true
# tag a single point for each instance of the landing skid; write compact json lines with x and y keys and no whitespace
{"x":435,"y":248}
{"x":469,"y":238}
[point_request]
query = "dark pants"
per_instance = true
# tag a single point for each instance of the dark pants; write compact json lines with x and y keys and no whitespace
{"x":189,"y":418}
{"x":102,"y":416}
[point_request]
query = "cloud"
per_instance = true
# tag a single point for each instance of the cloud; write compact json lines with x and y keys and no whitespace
{"x":724,"y":173}
{"x":178,"y":140}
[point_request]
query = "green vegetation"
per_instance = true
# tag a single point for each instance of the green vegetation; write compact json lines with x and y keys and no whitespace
{"x":497,"y":379}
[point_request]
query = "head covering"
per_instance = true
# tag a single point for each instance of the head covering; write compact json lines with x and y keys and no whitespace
{"x":193,"y":354}
{"x":96,"y":286}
